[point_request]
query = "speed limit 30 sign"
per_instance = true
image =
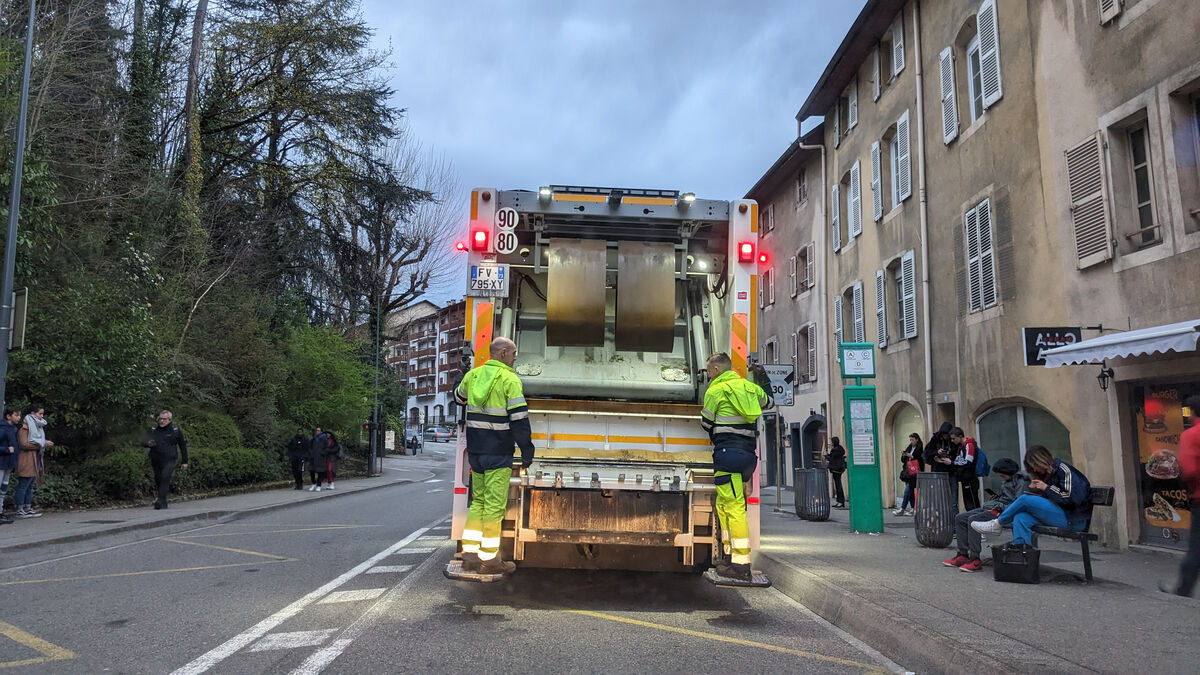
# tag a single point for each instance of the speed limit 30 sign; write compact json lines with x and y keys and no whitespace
{"x":781,"y":376}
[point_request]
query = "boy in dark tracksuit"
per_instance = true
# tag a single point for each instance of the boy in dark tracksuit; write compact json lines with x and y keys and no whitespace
{"x":969,"y":541}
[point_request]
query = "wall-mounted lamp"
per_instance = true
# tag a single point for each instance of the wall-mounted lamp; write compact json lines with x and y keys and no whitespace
{"x":1105,"y":375}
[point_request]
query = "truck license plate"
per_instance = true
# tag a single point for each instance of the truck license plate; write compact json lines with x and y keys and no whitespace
{"x":488,"y":280}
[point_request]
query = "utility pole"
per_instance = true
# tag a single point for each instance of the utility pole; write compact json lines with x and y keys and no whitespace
{"x":375,"y":408}
{"x":14,"y":212}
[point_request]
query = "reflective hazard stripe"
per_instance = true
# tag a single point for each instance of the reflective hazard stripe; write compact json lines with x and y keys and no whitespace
{"x":487,"y":410}
{"x":707,"y":414}
{"x":731,"y":419}
{"x":519,"y":415}
{"x":740,"y":544}
{"x":494,"y":426}
{"x":721,"y":430}
{"x":514,"y":402}
{"x":735,"y":558}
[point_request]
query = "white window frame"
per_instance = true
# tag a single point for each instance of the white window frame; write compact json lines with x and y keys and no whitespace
{"x":795,"y":274}
{"x":852,"y":104}
{"x":1138,"y":236}
{"x":974,"y":72}
{"x":801,"y":187}
{"x":771,"y":350}
{"x":770,"y":274}
{"x":810,"y":259}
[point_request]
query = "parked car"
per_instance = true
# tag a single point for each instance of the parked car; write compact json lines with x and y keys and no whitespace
{"x":437,"y":434}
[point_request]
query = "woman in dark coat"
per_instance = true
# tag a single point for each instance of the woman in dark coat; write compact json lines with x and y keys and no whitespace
{"x":316,"y":459}
{"x":835,"y":460}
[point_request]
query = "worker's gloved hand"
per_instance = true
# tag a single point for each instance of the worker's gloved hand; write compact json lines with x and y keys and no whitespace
{"x":526,"y":461}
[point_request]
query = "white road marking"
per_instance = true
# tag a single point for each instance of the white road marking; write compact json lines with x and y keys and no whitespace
{"x":389,"y":569}
{"x":231,"y":646}
{"x":436,"y":540}
{"x":304,"y":638}
{"x":429,"y":492}
{"x":382,"y":608}
{"x":352,"y":596}
{"x":410,"y":551}
{"x":434,"y":480}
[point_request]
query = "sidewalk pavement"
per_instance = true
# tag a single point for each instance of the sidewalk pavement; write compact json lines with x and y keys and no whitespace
{"x":896,"y":595}
{"x":61,"y":532}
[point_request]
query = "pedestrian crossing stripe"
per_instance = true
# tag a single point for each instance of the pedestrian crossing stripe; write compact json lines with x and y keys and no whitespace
{"x":406,"y":551}
{"x":389,"y":569}
{"x":352,"y":596}
{"x":304,"y":638}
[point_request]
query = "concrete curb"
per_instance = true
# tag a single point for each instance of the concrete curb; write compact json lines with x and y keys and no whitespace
{"x":917,"y":646}
{"x":220,"y":516}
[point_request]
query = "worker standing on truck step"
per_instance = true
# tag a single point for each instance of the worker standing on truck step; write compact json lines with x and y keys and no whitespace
{"x":497,"y":419}
{"x":732,"y":407}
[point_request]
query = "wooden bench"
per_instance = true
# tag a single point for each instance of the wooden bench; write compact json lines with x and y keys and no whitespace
{"x":1100,"y":495}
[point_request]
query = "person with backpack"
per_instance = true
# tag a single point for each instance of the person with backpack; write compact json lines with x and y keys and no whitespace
{"x":911,"y":464}
{"x":966,"y":454}
{"x":835,"y":461}
{"x":970,"y":542}
{"x":1058,"y":496}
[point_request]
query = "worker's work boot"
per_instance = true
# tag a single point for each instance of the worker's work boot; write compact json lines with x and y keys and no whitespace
{"x":496,"y":566}
{"x":470,"y":562}
{"x":732,"y":571}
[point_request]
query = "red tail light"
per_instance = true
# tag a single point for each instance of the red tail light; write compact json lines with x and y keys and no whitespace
{"x":461,"y":246}
{"x":746,"y":251}
{"x":479,"y":240}
{"x":762,"y":258}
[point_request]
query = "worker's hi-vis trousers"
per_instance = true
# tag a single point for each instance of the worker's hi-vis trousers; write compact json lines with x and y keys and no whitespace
{"x":489,"y":499}
{"x":733,"y":469}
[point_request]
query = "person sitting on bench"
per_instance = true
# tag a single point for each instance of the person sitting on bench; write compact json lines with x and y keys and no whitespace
{"x":1058,"y":496}
{"x":969,"y":541}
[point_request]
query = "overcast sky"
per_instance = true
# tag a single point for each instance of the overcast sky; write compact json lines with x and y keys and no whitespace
{"x":696,"y":96}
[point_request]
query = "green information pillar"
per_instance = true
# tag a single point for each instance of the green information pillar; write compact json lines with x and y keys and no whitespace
{"x":861,"y":437}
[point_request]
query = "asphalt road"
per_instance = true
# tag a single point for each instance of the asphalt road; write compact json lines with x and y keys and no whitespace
{"x":354,"y":585}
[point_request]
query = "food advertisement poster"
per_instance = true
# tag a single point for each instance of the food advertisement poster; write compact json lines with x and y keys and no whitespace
{"x":1161,"y":418}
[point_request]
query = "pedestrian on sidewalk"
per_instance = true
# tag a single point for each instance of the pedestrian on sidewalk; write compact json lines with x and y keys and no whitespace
{"x":911,"y":464}
{"x":1058,"y":496}
{"x":168,"y":449}
{"x":969,"y":541}
{"x":31,"y":465}
{"x":297,"y":450}
{"x":1189,"y":465}
{"x":835,"y":461}
{"x":8,"y":455}
{"x":333,"y":454}
{"x":966,"y":454}
{"x":316,"y":459}
{"x":939,"y":456}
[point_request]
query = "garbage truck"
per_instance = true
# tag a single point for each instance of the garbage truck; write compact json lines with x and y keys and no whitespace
{"x":615,"y":297}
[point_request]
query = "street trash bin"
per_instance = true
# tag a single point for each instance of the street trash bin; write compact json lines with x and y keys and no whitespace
{"x":812,"y":494}
{"x":936,"y":507}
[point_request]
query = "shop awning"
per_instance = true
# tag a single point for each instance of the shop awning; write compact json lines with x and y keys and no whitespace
{"x":1177,"y":337}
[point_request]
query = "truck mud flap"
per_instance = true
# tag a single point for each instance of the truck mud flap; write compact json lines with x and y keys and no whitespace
{"x":757,"y":580}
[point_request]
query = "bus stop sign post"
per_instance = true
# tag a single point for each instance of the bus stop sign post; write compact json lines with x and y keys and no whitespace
{"x":862,"y":437}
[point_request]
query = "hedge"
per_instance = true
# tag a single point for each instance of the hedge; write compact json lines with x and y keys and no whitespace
{"x":125,"y":474}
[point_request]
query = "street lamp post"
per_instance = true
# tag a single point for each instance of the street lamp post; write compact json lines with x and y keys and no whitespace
{"x":14,"y":212}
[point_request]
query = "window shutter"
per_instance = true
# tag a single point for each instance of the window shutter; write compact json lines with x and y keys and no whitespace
{"x":898,"y":44}
{"x":903,"y":160}
{"x":835,"y":212}
{"x":837,"y":321}
{"x":908,"y":292}
{"x":761,"y":283}
{"x":973,"y":283}
{"x":989,"y":52}
{"x":876,"y":181}
{"x":860,"y":330}
{"x":770,"y":217}
{"x":837,"y":121}
{"x":1090,"y":217}
{"x":875,"y":84}
{"x":795,"y":268}
{"x":771,"y":286}
{"x":880,"y":309}
{"x":949,"y":99}
{"x":796,"y":357}
{"x":811,"y":332}
{"x":854,"y":201}
{"x":809,"y":274}
{"x":987,"y":255}
{"x":852,"y":114}
{"x":1109,"y":10}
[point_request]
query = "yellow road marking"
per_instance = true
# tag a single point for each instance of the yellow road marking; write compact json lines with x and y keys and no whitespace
{"x":725,"y":638}
{"x":143,"y":572}
{"x":299,"y":529}
{"x":225,"y":548}
{"x":49,"y":652}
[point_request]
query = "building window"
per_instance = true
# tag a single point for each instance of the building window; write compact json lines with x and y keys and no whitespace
{"x":770,"y":351}
{"x":801,"y":188}
{"x":900,"y":161}
{"x":981,"y":258}
{"x":766,"y":219}
{"x":804,"y":354}
{"x":1142,"y":187}
{"x":852,"y":302}
{"x":974,"y":80}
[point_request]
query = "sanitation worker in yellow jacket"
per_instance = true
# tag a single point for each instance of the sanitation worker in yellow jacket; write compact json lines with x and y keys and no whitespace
{"x":732,"y":407}
{"x":497,"y":419}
